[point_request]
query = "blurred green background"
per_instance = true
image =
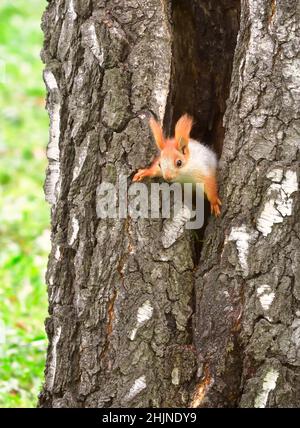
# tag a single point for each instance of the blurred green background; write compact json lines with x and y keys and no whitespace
{"x":24,"y":215}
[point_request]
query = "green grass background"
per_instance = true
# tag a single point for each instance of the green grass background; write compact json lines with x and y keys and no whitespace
{"x":24,"y":215}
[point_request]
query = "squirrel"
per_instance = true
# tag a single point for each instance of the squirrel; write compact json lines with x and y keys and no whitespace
{"x":184,"y":160}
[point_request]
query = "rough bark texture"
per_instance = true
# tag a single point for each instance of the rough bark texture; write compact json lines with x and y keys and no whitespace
{"x":122,"y":292}
{"x":120,"y":301}
{"x":247,"y":320}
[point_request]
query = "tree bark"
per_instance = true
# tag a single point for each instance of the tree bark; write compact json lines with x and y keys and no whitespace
{"x":119,"y":299}
{"x":247,"y":316}
{"x":135,"y":319}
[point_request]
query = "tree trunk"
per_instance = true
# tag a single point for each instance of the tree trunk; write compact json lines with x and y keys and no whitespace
{"x":247,"y":319}
{"x":135,"y":319}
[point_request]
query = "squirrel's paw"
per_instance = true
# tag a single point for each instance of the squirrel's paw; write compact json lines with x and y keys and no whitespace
{"x":140,"y":175}
{"x":216,"y":208}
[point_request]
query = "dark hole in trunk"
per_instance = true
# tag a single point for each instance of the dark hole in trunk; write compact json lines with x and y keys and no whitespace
{"x":205,"y":34}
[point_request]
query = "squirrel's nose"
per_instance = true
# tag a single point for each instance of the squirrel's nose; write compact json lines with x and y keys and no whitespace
{"x":168,"y":175}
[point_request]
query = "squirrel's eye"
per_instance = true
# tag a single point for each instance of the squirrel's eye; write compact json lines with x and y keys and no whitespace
{"x":179,"y":163}
{"x":159,"y":165}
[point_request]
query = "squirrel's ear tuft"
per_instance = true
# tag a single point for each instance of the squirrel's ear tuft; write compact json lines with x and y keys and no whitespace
{"x":182,"y":130}
{"x":157,"y":133}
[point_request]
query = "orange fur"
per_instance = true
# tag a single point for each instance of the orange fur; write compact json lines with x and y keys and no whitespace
{"x":153,"y":171}
{"x":182,"y":130}
{"x":157,"y":133}
{"x":211,"y":191}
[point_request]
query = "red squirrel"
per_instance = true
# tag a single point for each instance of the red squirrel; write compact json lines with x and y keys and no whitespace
{"x":184,"y":160}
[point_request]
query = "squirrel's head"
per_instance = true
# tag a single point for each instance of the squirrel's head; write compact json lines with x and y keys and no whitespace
{"x":174,"y":152}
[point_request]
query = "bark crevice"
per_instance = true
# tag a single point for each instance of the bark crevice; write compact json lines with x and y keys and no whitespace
{"x":204,"y":40}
